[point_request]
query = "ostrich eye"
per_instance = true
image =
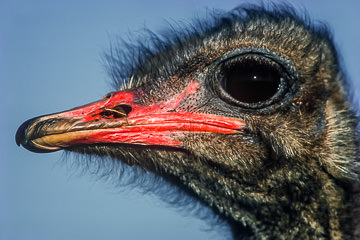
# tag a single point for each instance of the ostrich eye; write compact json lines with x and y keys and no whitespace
{"x":250,"y":81}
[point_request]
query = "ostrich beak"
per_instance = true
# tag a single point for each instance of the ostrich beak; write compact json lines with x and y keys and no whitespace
{"x":119,"y":118}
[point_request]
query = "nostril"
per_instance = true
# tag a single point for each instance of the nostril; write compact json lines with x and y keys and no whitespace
{"x":119,"y":111}
{"x":124,"y":108}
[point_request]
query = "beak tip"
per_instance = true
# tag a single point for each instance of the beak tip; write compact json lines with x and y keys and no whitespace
{"x":22,"y":137}
{"x":17,"y":139}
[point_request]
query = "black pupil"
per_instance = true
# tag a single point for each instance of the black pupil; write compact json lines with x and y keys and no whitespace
{"x":250,"y":81}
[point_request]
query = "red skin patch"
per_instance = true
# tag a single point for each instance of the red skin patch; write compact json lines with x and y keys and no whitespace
{"x":146,"y":125}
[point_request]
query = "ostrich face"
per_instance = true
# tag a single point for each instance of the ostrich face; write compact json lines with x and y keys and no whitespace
{"x":242,"y":113}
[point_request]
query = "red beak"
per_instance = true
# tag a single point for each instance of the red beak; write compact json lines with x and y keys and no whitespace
{"x":120,"y":118}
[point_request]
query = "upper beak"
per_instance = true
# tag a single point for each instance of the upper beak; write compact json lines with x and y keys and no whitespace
{"x":118,"y":118}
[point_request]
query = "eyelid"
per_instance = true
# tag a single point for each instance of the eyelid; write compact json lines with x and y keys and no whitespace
{"x":288,"y":85}
{"x":251,"y":79}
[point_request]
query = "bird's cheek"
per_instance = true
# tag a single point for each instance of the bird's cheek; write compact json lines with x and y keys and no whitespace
{"x":242,"y":152}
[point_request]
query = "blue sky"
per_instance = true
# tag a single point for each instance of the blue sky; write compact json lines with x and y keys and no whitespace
{"x":50,"y":60}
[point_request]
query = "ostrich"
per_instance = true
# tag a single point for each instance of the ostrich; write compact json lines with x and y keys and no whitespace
{"x":248,"y":112}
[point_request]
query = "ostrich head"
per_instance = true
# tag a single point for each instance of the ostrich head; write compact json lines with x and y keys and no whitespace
{"x":249,"y":112}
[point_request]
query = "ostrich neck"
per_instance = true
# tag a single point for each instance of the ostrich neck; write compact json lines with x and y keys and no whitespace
{"x":301,"y":206}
